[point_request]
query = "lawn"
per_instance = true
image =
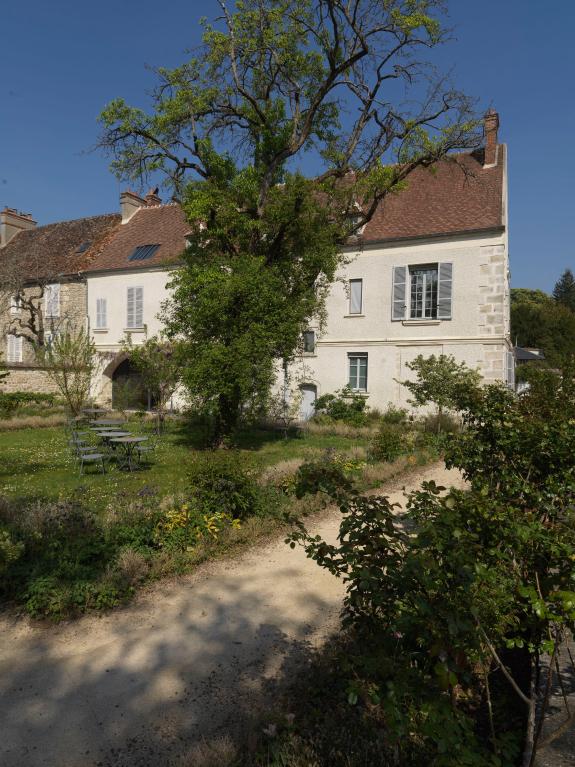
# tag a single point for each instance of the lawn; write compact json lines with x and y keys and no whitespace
{"x":37,"y":463}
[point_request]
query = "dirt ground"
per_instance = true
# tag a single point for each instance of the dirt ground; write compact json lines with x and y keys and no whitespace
{"x":188,"y":660}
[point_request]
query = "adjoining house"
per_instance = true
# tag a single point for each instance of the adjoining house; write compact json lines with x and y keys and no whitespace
{"x":428,"y":275}
{"x":126,"y":286}
{"x":41,"y":288}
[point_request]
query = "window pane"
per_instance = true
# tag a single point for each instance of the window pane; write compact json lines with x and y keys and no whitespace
{"x":355,"y":296}
{"x":358,"y":373}
{"x":309,"y":341}
{"x":423,"y":292}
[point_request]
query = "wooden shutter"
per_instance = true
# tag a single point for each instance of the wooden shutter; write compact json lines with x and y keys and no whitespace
{"x":399,"y":297}
{"x":355,"y":296}
{"x":14,"y":348}
{"x":101,"y":312}
{"x":139,"y":307}
{"x":52,"y":300}
{"x":444,"y":290}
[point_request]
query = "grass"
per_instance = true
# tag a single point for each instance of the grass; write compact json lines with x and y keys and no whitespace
{"x":37,"y":463}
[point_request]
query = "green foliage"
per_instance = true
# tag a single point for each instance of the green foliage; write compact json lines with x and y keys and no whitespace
{"x":10,"y":402}
{"x":442,"y":381}
{"x":388,"y":443}
{"x":539,"y":321}
{"x":10,"y":551}
{"x":69,"y":361}
{"x":564,"y":290}
{"x":228,"y":127}
{"x":158,"y":364}
{"x":344,"y":405}
{"x":435,"y":598}
{"x":223,"y":482}
{"x":394,"y":415}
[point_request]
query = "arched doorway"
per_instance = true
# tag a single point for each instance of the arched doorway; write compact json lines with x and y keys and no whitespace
{"x":309,"y":396}
{"x":128,"y":389}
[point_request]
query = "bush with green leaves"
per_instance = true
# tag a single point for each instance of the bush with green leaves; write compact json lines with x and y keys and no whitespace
{"x":394,"y":415}
{"x":388,"y":443}
{"x":10,"y":402}
{"x":446,"y":601}
{"x":221,"y":482}
{"x":344,"y":405}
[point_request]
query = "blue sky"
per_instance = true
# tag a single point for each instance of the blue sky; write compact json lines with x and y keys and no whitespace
{"x":62,"y":61}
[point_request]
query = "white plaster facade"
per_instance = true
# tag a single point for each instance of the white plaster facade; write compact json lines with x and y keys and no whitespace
{"x":477,"y":332}
{"x":109,"y":339}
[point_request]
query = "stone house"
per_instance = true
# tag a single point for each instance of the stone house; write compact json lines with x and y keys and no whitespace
{"x":41,"y":286}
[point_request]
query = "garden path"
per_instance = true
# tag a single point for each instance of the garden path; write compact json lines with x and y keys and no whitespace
{"x":189,"y":659}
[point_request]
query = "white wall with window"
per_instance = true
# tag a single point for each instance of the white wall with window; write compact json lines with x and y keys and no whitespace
{"x":125,"y":301}
{"x":392,"y":303}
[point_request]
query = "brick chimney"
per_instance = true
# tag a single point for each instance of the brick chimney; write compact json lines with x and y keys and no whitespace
{"x":491,"y":125}
{"x":152,"y":198}
{"x":130,"y":203}
{"x":13,"y":221}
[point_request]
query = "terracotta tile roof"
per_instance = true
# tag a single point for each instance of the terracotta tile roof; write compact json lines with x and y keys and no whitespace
{"x":458,"y":195}
{"x":163,"y":225}
{"x":64,"y":248}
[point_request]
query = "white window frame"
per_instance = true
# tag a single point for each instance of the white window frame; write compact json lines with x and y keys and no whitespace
{"x":14,"y":348}
{"x":423,"y":268}
{"x":101,"y":314}
{"x":357,"y":356}
{"x":351,"y":308}
{"x":52,"y":300}
{"x":137,"y":312}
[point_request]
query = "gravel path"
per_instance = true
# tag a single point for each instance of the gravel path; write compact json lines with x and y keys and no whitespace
{"x":187,"y":660}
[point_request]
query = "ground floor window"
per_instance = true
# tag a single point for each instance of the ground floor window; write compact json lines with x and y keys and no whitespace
{"x":358,"y":372}
{"x":309,"y":342}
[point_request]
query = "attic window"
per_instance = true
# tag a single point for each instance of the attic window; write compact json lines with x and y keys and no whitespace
{"x":83,"y":247}
{"x":142,"y":252}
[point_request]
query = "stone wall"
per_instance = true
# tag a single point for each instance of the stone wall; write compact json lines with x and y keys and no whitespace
{"x":494,"y":309}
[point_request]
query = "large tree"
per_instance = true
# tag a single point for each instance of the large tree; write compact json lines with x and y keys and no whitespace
{"x":342,"y":87}
{"x":564,"y":290}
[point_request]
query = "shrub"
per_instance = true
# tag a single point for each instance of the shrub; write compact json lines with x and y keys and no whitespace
{"x":10,"y":550}
{"x":345,"y":405}
{"x":388,"y":443}
{"x":394,"y":415}
{"x":221,"y":482}
{"x":10,"y":402}
{"x":441,"y":423}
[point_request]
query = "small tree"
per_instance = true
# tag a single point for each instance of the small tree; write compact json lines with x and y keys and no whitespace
{"x":69,"y":361}
{"x":157,"y":363}
{"x":441,"y":380}
{"x":564,"y":290}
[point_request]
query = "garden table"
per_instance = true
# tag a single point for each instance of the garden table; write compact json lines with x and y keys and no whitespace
{"x":94,"y":411}
{"x":107,"y":422}
{"x":129,"y":444}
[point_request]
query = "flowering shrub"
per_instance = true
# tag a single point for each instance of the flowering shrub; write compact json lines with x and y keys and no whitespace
{"x":185,"y":526}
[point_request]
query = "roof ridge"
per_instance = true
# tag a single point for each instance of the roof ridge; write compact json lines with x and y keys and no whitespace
{"x":72,"y":221}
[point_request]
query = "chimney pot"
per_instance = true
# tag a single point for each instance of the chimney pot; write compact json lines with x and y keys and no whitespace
{"x":491,"y":126}
{"x":153,"y":198}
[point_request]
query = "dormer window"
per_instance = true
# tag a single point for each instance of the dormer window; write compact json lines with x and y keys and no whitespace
{"x":143,"y":252}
